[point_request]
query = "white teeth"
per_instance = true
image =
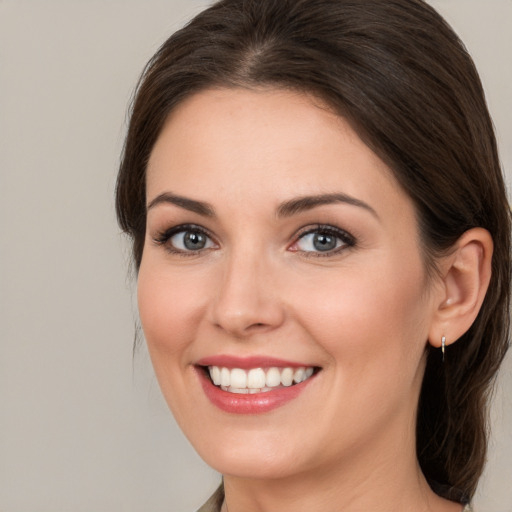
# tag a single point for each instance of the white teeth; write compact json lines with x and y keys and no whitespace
{"x":257,"y":380}
{"x":238,"y":378}
{"x":273,"y":377}
{"x":215,"y":375}
{"x":299,"y":375}
{"x":243,"y":391}
{"x":287,"y":377}
{"x":225,"y":377}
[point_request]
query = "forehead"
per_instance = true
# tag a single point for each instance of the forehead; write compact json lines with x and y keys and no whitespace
{"x":264,"y":144}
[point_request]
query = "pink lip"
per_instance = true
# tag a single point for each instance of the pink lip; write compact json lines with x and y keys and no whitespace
{"x":246,"y":363}
{"x":249,"y":404}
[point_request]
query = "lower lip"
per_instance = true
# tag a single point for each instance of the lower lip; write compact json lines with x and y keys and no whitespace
{"x":257,"y":403}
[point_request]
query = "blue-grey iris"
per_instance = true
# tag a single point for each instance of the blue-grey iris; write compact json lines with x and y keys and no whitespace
{"x":194,"y":240}
{"x":323,"y":242}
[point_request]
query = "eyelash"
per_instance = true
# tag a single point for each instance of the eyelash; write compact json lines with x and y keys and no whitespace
{"x":162,"y":238}
{"x":346,"y":238}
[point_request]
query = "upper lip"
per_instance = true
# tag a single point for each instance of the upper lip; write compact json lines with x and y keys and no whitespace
{"x":230,"y":361}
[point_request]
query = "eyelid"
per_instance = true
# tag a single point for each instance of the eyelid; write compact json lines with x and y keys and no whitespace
{"x":162,"y":238}
{"x":347,"y":239}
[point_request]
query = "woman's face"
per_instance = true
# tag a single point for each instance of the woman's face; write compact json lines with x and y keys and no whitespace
{"x":280,"y":248}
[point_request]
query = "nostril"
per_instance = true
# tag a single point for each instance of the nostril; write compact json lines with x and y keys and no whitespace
{"x":257,"y":326}
{"x":246,"y":315}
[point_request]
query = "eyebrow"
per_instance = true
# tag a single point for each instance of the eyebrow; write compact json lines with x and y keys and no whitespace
{"x":192,"y":205}
{"x":286,"y":209}
{"x":301,"y":204}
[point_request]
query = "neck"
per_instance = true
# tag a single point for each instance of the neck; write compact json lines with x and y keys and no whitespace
{"x":392,"y":481}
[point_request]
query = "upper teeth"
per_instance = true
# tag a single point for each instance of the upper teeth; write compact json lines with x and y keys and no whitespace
{"x":257,"y":380}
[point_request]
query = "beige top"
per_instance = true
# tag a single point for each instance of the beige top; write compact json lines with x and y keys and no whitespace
{"x":214,"y":504}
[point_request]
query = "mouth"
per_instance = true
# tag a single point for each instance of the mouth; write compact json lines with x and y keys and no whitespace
{"x":249,"y":381}
{"x":253,"y":385}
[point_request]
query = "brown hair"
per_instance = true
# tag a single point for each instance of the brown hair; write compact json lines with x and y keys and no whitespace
{"x":399,"y":74}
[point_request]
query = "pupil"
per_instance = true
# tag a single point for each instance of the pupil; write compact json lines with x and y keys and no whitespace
{"x":194,"y":241}
{"x":324,"y":242}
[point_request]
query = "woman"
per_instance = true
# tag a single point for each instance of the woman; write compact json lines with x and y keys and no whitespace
{"x":322,"y":240}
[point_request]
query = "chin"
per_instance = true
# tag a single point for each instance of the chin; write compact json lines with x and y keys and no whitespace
{"x":253,"y":460}
{"x":257,"y":469}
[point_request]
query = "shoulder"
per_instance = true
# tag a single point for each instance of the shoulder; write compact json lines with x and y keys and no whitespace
{"x":214,"y":503}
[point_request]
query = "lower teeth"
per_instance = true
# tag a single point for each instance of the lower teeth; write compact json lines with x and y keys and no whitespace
{"x":248,"y":391}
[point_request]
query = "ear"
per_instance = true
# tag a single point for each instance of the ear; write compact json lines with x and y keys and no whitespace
{"x":466,"y":273}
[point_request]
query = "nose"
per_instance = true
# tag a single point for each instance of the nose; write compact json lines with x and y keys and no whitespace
{"x":248,"y":299}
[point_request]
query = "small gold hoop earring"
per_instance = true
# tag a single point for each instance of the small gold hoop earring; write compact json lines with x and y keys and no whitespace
{"x":443,"y":345}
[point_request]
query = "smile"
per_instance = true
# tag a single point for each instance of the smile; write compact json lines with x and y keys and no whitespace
{"x":253,"y":385}
{"x":257,"y":380}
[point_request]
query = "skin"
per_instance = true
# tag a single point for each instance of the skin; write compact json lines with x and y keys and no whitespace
{"x":362,"y":313}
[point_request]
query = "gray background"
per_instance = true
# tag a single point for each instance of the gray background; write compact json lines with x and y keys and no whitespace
{"x":82,"y":425}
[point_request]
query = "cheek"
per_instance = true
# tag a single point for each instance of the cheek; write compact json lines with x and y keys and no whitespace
{"x":372,"y":312}
{"x":170,"y":308}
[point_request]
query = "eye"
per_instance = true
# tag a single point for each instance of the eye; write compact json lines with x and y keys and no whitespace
{"x":323,"y":239}
{"x":185,"y":239}
{"x":190,"y":241}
